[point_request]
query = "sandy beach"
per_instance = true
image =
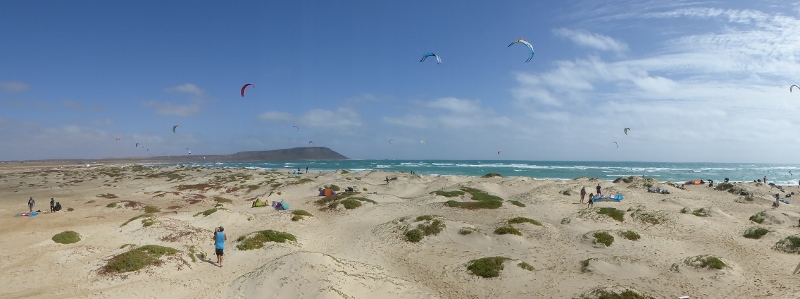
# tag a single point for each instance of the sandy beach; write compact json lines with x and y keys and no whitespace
{"x":363,"y":252}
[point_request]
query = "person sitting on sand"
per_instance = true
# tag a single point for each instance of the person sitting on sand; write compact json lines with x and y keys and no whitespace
{"x":591,"y":200}
{"x":219,"y":243}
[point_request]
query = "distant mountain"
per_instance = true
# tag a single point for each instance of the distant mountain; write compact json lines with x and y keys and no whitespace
{"x":297,"y":153}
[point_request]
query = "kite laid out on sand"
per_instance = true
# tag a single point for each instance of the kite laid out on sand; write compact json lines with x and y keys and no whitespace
{"x":524,"y":42}
{"x":174,"y":127}
{"x":790,"y":87}
{"x":438,"y":60}
{"x":245,"y":86}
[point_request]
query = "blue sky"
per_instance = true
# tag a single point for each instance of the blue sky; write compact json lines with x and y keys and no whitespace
{"x":695,"y":81}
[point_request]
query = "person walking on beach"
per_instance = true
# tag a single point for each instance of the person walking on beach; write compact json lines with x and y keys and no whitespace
{"x":591,"y":201}
{"x":31,"y":202}
{"x":583,"y":193}
{"x":52,"y":205}
{"x":219,"y":243}
{"x":598,"y":189}
{"x":765,"y":179}
{"x":387,"y":180}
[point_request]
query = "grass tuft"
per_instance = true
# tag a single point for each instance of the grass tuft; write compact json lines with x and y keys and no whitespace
{"x":257,"y":240}
{"x":517,"y":203}
{"x":603,"y":238}
{"x":518,"y":220}
{"x":414,"y":235}
{"x":758,"y":217}
{"x":448,"y":193}
{"x":465,"y":231}
{"x":630,"y":235}
{"x":755,"y":232}
{"x":302,"y":213}
{"x":207,"y":212}
{"x":705,"y":261}
{"x":151,"y":209}
{"x":526,"y":266}
{"x":132,"y":219}
{"x":790,"y":244}
{"x":137,"y":258}
{"x":111,"y":205}
{"x":504,"y":230}
{"x":67,"y":237}
{"x":701,"y":212}
{"x":615,"y":214}
{"x":487,"y":267}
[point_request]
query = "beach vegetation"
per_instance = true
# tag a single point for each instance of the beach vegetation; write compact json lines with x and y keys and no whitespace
{"x":151,"y":209}
{"x":603,"y":238}
{"x":685,"y":210}
{"x":351,"y":203}
{"x":364,"y":199}
{"x":517,"y":203}
{"x":758,"y":217}
{"x":414,"y":235}
{"x":344,"y":171}
{"x":705,"y":261}
{"x":258,"y":239}
{"x":749,"y":197}
{"x":302,"y":213}
{"x":137,"y":258}
{"x":480,"y":195}
{"x":652,"y":217}
{"x":70,"y":209}
{"x":630,"y":235}
{"x":701,"y":212}
{"x":433,"y":227}
{"x":492,"y":175}
{"x":626,"y":180}
{"x":67,"y":237}
{"x":111,"y":205}
{"x":724,"y":187}
{"x":175,"y":176}
{"x":518,"y":220}
{"x":108,"y":195}
{"x":505,"y":230}
{"x":448,"y":193}
{"x":297,"y":218}
{"x":127,"y":245}
{"x":790,"y":244}
{"x":132,"y":219}
{"x":465,"y":231}
{"x":253,"y":187}
{"x":334,"y":187}
{"x":755,"y":232}
{"x":585,"y":264}
{"x":618,"y":215}
{"x":566,"y":192}
{"x":364,"y":189}
{"x":206,"y":212}
{"x":487,"y":267}
{"x":609,"y":294}
{"x":526,"y":266}
{"x":426,"y":217}
{"x":489,"y":204}
{"x":148,"y":221}
{"x":220,"y":199}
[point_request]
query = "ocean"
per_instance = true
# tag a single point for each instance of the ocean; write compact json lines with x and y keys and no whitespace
{"x":544,"y":170}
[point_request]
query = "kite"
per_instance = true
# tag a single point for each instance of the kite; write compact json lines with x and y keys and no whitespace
{"x":298,"y":128}
{"x":310,"y":142}
{"x":422,"y":141}
{"x":790,"y":87}
{"x":626,"y":130}
{"x":498,"y":152}
{"x":174,"y":127}
{"x":530,"y":47}
{"x":137,"y":144}
{"x":438,"y":60}
{"x":390,"y":140}
{"x":245,"y":86}
{"x":118,"y":138}
{"x":616,"y":144}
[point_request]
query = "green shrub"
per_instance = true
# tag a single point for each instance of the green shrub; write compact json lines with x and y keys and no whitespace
{"x":206,"y":212}
{"x":755,"y":232}
{"x":67,"y":237}
{"x":465,"y":231}
{"x":790,"y":244}
{"x":334,"y":187}
{"x":111,"y":205}
{"x":148,"y":221}
{"x":481,"y":195}
{"x":132,"y":219}
{"x":626,"y":180}
{"x":297,"y":218}
{"x":626,"y":294}
{"x":220,"y":199}
{"x":517,"y":203}
{"x":448,"y":193}
{"x":705,"y":261}
{"x":425,"y":217}
{"x":365,"y":200}
{"x":630,"y":235}
{"x":504,"y":230}
{"x":603,"y":238}
{"x":351,"y":203}
{"x":724,"y":186}
{"x":434,"y":228}
{"x":488,"y":204}
{"x":701,"y":212}
{"x":492,"y":175}
{"x":526,"y":266}
{"x":487,"y":267}
{"x":151,"y":209}
{"x":518,"y":220}
{"x":566,"y":192}
{"x":108,"y":195}
{"x":138,"y":258}
{"x":685,"y":210}
{"x":257,"y":240}
{"x":615,"y":214}
{"x":414,"y":235}
{"x":758,"y":217}
{"x":301,"y":213}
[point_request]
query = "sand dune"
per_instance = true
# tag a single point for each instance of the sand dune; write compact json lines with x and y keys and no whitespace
{"x":364,"y":252}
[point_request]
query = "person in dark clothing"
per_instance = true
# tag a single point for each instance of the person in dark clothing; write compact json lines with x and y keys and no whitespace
{"x":52,"y":205}
{"x":598,"y":189}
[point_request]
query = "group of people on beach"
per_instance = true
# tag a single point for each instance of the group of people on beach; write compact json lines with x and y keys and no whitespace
{"x":54,"y":206}
{"x":591,"y":195}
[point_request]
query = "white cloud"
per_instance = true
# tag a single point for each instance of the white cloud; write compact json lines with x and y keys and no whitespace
{"x":412,"y":121}
{"x":13,"y":86}
{"x":185,"y":88}
{"x":592,"y":40}
{"x":274,"y":115}
{"x":340,"y":120}
{"x":165,"y":108}
{"x":455,"y":105}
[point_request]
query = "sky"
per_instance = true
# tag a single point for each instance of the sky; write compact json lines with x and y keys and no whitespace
{"x":695,"y":81}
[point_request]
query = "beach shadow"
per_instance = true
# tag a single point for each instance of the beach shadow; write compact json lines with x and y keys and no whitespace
{"x":203,"y":257}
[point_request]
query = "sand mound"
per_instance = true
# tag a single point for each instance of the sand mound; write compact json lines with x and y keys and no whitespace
{"x":607,"y":291}
{"x":616,"y":266}
{"x":317,"y":275}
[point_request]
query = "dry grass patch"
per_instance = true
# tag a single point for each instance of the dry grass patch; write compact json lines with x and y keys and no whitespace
{"x":137,"y":258}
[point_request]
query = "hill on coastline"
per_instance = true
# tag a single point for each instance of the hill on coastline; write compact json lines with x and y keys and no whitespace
{"x":290,"y":154}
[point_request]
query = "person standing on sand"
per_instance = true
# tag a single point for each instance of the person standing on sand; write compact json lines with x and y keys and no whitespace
{"x":387,"y":180}
{"x":31,"y":202}
{"x":765,"y":179}
{"x":52,"y":205}
{"x":219,"y":243}
{"x":583,"y":193}
{"x":591,"y":201}
{"x":598,"y":189}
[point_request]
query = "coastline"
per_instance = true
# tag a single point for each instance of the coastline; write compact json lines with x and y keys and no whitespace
{"x":335,"y":249}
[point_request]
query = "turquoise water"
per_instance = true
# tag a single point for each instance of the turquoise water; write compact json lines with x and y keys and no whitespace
{"x":561,"y":170}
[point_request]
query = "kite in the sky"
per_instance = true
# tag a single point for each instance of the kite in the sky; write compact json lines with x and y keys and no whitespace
{"x":390,"y":140}
{"x":118,"y":138}
{"x":311,"y":142}
{"x":616,"y":144}
{"x":174,"y":127}
{"x":626,"y":130}
{"x":530,"y":47}
{"x":790,"y":87}
{"x":422,"y":141}
{"x":245,"y":86}
{"x":137,"y":144}
{"x":298,"y":128}
{"x":498,"y":152}
{"x":438,"y":60}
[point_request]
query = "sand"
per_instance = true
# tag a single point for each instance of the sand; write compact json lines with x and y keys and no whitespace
{"x":362,"y":253}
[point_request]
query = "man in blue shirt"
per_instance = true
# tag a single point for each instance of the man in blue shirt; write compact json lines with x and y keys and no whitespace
{"x":219,"y":243}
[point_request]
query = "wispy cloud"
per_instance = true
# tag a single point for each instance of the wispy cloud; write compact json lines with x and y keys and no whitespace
{"x":592,"y":40}
{"x":342,"y":119}
{"x":13,"y":86}
{"x":185,"y":88}
{"x":274,"y":115}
